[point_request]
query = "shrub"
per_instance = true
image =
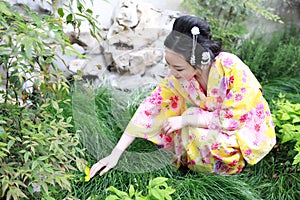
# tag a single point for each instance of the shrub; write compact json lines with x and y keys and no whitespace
{"x":156,"y":189}
{"x":226,"y":17}
{"x":37,"y":150}
{"x":287,"y":120}
{"x":271,"y":58}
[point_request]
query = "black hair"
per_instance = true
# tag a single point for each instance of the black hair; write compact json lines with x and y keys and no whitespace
{"x":180,"y":39}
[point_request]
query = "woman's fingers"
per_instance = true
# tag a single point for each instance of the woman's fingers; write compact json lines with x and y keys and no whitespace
{"x":96,"y":167}
{"x":106,"y":169}
{"x":166,"y":126}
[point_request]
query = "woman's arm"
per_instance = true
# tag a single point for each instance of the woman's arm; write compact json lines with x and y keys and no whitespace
{"x":178,"y":122}
{"x":111,"y":161}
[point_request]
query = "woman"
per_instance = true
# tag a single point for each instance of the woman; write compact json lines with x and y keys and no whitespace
{"x":210,"y":110}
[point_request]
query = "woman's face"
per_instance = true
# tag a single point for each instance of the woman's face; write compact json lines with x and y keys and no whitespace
{"x":180,"y":68}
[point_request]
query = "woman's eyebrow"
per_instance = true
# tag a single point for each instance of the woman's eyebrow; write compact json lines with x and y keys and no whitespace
{"x":176,"y":66}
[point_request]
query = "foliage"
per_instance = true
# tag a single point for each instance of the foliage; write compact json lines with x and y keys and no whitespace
{"x":157,"y":189}
{"x":289,"y":86}
{"x":225,"y":17}
{"x":75,"y":17}
{"x":274,"y":57}
{"x":37,"y":149}
{"x":287,"y":121}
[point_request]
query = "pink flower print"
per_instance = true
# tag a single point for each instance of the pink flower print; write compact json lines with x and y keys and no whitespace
{"x":228,"y":94}
{"x":260,"y":114}
{"x":248,"y":152}
{"x":240,"y":168}
{"x":201,"y":89}
{"x":214,"y":91}
{"x":243,"y":90}
{"x":191,"y":87}
{"x":148,"y":125}
{"x":223,"y":83}
{"x":228,"y":170}
{"x":171,"y":84}
{"x":228,"y":114}
{"x":218,"y":157}
{"x":214,"y":146}
{"x":260,"y":106}
{"x":243,"y":118}
{"x":255,"y":143}
{"x":219,"y":99}
{"x":168,"y":138}
{"x":231,"y":79}
{"x":233,"y":163}
{"x":233,"y":125}
{"x":199,"y":111}
{"x":238,"y":97}
{"x":257,"y":127}
{"x":156,"y":98}
{"x":268,"y":113}
{"x":147,"y":113}
{"x":227,"y":62}
{"x":145,"y":137}
{"x":174,"y":103}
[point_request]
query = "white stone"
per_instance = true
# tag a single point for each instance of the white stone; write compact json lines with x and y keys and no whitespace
{"x":135,"y":38}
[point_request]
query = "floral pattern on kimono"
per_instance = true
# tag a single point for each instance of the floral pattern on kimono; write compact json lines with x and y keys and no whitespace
{"x":238,"y":126}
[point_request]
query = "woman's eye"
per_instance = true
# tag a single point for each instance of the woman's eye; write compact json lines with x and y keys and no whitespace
{"x":179,"y":70}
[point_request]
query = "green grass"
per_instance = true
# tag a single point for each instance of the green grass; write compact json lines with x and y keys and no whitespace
{"x":272,"y":178}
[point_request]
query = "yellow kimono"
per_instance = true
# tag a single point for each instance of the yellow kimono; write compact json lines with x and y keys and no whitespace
{"x":238,"y":128}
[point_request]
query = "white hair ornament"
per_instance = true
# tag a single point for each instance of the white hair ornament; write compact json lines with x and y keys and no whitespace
{"x":195,"y":32}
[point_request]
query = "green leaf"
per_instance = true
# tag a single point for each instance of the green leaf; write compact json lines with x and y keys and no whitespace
{"x":5,"y":10}
{"x":10,"y":144}
{"x":60,"y":12}
{"x":157,"y":193}
{"x":55,"y":105}
{"x":26,"y":156}
{"x":34,"y":165}
{"x":131,"y":191}
{"x":119,"y":193}
{"x":89,"y":11}
{"x":170,"y":190}
{"x":2,"y":144}
{"x":296,"y":159}
{"x":157,"y":181}
{"x":69,"y":18}
{"x":296,"y":119}
{"x":41,"y":158}
{"x":112,"y":197}
{"x":45,"y":188}
{"x":285,"y":116}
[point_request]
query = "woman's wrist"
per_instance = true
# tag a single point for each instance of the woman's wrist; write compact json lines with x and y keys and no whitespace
{"x":116,"y":152}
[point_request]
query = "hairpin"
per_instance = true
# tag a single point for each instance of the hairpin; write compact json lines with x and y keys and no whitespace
{"x":195,"y":32}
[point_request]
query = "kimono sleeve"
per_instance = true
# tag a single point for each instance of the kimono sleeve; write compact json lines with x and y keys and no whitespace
{"x":148,"y":118}
{"x":241,"y":94}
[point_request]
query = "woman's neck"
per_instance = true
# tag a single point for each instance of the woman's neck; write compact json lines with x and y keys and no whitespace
{"x":202,"y":78}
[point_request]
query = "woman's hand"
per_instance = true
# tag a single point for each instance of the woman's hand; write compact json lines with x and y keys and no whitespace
{"x":111,"y":161}
{"x":106,"y":163}
{"x":172,"y":124}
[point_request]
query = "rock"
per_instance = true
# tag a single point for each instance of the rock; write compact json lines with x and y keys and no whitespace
{"x":135,"y":38}
{"x":63,"y":59}
{"x":130,"y":82}
{"x":40,"y":6}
